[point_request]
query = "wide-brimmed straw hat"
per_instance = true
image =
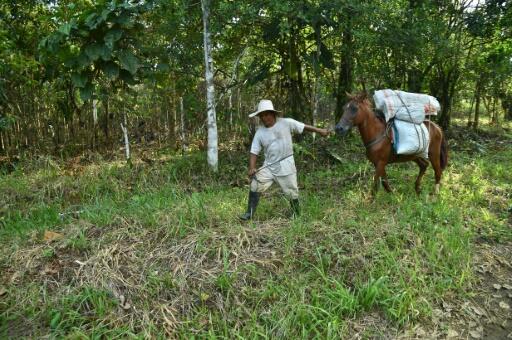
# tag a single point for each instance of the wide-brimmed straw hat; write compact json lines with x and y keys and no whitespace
{"x":264,"y":105}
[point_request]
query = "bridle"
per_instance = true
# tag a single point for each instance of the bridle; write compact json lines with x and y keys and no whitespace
{"x":381,"y":136}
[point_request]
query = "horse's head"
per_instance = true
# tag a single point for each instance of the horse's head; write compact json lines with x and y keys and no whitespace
{"x":352,"y":113}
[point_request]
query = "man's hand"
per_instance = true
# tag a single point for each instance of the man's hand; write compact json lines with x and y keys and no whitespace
{"x":324,"y":132}
{"x":251,"y":172}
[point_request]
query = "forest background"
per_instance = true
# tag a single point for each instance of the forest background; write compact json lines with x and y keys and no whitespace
{"x":73,"y":71}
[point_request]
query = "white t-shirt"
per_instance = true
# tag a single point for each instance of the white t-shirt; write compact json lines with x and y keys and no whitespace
{"x":276,"y":142}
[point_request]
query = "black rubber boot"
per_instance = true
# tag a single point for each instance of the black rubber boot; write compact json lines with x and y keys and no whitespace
{"x":295,"y":207}
{"x":254,"y":198}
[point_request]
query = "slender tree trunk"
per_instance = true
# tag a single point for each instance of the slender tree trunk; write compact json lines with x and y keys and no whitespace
{"x":106,"y":122}
{"x":477,"y":104}
{"x":239,"y":102}
{"x":8,"y":143}
{"x":345,"y":79}
{"x":212,"y":153}
{"x":2,"y":145}
{"x":294,"y":73}
{"x":487,"y":105}
{"x":506,"y":104}
{"x":40,"y":137}
{"x":19,"y":139}
{"x":183,"y":127}
{"x":470,"y":122}
{"x":230,"y":107}
{"x":318,"y":79}
{"x":414,"y":80}
{"x":448,"y":80}
{"x":124,"y":128}
{"x":95,"y":122}
{"x":171,"y":124}
{"x":495,"y":112}
{"x":232,"y":82}
{"x":173,"y":130}
{"x":316,"y":102}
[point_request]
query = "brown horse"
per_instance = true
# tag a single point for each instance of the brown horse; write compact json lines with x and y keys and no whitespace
{"x":376,"y":136}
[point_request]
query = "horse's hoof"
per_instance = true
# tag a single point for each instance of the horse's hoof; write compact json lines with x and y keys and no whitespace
{"x":369,"y":197}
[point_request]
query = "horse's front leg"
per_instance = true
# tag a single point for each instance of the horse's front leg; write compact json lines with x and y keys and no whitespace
{"x":385,"y":182}
{"x":380,"y":172}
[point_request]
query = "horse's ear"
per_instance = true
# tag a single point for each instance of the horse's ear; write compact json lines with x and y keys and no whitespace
{"x":363,"y":95}
{"x":350,"y":96}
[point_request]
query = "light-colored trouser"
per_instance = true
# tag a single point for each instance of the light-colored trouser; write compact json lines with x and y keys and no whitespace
{"x":264,"y":179}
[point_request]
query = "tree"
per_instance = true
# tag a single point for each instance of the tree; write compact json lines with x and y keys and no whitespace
{"x":490,"y":63}
{"x":212,"y":152}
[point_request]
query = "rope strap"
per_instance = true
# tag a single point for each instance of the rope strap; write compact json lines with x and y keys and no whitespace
{"x":381,"y":137}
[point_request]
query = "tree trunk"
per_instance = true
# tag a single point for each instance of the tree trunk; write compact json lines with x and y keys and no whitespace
{"x":106,"y":122}
{"x":238,"y":101}
{"x":124,"y":128}
{"x":170,"y":118}
{"x":495,"y":112}
{"x":477,"y":104}
{"x":448,"y":80}
{"x":345,"y":79}
{"x":470,"y":111}
{"x":95,"y":123}
{"x":317,"y":80}
{"x":2,"y":145}
{"x":212,"y":153}
{"x":506,"y":104}
{"x":183,"y":127}
{"x":414,"y":80}
{"x":294,"y":73}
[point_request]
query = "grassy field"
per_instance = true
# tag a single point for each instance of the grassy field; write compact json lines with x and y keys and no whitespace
{"x":157,"y":250}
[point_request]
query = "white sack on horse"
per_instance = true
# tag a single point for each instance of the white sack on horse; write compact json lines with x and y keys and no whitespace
{"x":410,"y":138}
{"x":411,"y":107}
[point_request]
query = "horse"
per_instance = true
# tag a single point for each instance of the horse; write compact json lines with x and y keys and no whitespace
{"x":377,"y":140}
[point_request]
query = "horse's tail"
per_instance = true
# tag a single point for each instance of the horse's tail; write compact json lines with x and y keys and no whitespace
{"x":444,"y":152}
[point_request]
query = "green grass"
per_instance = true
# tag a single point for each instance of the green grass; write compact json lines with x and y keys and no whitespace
{"x":167,"y":237}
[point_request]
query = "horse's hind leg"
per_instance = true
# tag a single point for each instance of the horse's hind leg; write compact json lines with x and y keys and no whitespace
{"x":435,"y":153}
{"x":423,"y":164}
{"x":438,"y":172}
{"x":436,"y":164}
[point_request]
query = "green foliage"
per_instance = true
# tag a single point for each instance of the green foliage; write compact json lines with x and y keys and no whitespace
{"x":100,"y":41}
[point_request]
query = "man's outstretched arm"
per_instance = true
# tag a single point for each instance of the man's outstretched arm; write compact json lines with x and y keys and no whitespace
{"x":323,"y":132}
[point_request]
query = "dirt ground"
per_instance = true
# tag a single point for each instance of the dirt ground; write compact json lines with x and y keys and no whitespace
{"x":485,"y":313}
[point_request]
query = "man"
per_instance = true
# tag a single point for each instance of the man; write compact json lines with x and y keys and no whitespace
{"x":275,"y":138}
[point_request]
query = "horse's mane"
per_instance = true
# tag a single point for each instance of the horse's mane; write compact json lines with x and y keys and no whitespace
{"x":362,"y":98}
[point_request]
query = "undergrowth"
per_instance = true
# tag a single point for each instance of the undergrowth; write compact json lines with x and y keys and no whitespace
{"x":157,"y":249}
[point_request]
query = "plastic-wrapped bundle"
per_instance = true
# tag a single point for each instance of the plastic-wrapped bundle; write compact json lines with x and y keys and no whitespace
{"x":411,"y":107}
{"x":410,"y":138}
